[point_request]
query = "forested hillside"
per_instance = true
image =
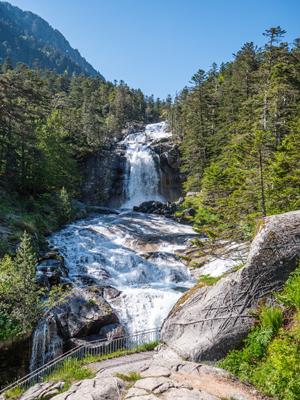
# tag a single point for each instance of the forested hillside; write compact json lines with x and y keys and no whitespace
{"x":26,"y":37}
{"x":48,"y":124}
{"x":238,"y":126}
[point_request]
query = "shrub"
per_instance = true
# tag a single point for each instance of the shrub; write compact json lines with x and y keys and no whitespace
{"x":14,"y":394}
{"x":270,"y":358}
{"x":279,"y":373}
{"x":291,"y":293}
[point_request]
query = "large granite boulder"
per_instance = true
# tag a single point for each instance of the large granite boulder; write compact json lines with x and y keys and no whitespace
{"x":207,"y":322}
{"x":84,"y":312}
{"x":81,"y":314}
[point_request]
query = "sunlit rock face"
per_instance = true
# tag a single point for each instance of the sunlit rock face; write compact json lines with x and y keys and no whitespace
{"x":209,"y":321}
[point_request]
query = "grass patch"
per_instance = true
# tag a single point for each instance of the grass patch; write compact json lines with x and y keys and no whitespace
{"x":208,"y":280}
{"x":119,"y":353}
{"x":14,"y":394}
{"x":70,"y":371}
{"x":131,"y":377}
{"x":270,"y":357}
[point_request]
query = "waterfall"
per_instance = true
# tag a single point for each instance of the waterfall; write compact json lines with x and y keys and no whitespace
{"x":133,"y":252}
{"x":142,"y":172}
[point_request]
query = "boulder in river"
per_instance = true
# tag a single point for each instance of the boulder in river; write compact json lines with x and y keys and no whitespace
{"x":51,"y":269}
{"x":209,"y":321}
{"x":156,"y":207}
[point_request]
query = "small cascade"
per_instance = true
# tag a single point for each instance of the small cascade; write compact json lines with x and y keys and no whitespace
{"x":144,"y":308}
{"x":46,"y":343}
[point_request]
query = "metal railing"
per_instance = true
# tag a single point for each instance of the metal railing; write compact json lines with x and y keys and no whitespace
{"x":93,"y":348}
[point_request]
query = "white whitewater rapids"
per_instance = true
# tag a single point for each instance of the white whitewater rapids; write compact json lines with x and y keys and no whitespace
{"x":131,"y":251}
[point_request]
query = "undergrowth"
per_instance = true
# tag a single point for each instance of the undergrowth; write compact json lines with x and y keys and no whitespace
{"x":14,"y":394}
{"x":270,"y":358}
{"x":208,"y":280}
{"x":131,"y":377}
{"x":70,"y":371}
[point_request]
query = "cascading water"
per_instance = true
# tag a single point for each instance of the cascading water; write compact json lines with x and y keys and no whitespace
{"x":131,"y":251}
{"x":46,"y":343}
{"x":142,"y":177}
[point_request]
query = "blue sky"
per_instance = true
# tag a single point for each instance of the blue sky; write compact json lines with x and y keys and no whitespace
{"x":157,"y":45}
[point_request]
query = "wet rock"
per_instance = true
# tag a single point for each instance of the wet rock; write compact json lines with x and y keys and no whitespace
{"x":132,"y":127}
{"x":112,"y":331}
{"x":209,"y":321}
{"x":102,"y":210}
{"x":83,"y":312}
{"x":103,"y":176}
{"x":109,"y":292}
{"x":169,"y":161}
{"x":156,"y":207}
{"x":51,"y":269}
{"x":80,"y":314}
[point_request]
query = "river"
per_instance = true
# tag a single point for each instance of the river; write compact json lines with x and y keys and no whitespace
{"x":131,"y":251}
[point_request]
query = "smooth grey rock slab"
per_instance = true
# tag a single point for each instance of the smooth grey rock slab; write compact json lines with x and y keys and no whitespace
{"x":212,"y":320}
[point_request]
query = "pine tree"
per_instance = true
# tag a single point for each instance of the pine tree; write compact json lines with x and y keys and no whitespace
{"x":27,"y":296}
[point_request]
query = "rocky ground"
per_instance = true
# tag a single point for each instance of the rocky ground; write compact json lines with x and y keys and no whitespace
{"x":159,"y":375}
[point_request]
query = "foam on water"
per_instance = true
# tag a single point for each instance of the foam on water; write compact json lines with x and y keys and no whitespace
{"x":127,"y":251}
{"x":131,"y":251}
{"x":142,"y":174}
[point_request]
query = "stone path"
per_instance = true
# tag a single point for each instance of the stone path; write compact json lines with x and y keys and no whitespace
{"x":125,"y":364}
{"x":162,"y":375}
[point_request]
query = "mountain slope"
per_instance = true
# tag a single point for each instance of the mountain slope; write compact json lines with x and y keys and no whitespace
{"x":26,"y":37}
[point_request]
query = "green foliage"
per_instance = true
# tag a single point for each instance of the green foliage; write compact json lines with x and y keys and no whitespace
{"x":270,"y":358}
{"x":130,"y":377}
{"x":19,"y":295}
{"x":55,"y":296}
{"x":14,"y":394}
{"x":65,"y":206}
{"x":238,"y":129}
{"x":291,"y":293}
{"x":279,"y":373}
{"x":208,"y":280}
{"x":69,"y":372}
{"x":50,"y":123}
{"x":240,"y":362}
{"x":57,"y":167}
{"x":121,"y":352}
